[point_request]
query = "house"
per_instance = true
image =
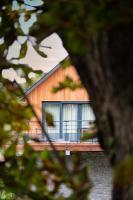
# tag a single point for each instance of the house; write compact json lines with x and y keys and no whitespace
{"x":73,"y":116}
{"x":71,"y":110}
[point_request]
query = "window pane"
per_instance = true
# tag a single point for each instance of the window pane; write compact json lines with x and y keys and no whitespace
{"x":53,"y":132}
{"x":70,"y":122}
{"x":87,"y":116}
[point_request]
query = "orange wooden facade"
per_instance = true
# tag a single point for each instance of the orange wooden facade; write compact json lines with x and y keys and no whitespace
{"x":65,"y":146}
{"x":43,"y":92}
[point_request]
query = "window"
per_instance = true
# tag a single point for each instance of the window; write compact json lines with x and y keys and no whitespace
{"x":53,"y":131}
{"x":70,"y":122}
{"x":69,"y":119}
{"x":87,"y":116}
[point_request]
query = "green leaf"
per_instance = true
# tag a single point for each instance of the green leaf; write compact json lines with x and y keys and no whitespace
{"x":41,"y":53}
{"x":27,"y":16}
{"x":23,"y":50}
{"x":66,"y":63}
{"x":89,"y":133}
{"x":68,"y":82}
{"x":11,"y":150}
{"x":45,"y":154}
{"x":49,"y":119}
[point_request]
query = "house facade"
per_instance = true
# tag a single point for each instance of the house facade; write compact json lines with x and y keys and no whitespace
{"x":71,"y":110}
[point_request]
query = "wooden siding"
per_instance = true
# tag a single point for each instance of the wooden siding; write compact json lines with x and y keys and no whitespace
{"x":43,"y":92}
{"x":64,"y":146}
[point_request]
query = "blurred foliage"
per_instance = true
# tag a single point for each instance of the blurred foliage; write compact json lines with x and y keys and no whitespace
{"x":124,"y":172}
{"x":49,"y":119}
{"x":78,"y":21}
{"x":24,"y":173}
{"x":67,"y":83}
{"x":66,"y":63}
{"x":39,"y":175}
{"x":89,"y":133}
{"x":4,"y":195}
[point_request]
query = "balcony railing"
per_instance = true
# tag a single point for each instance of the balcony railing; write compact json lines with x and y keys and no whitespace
{"x":65,"y":131}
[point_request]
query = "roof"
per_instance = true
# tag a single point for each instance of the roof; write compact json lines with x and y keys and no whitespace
{"x":42,"y":79}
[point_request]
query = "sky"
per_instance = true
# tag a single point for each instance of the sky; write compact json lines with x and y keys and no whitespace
{"x":55,"y":54}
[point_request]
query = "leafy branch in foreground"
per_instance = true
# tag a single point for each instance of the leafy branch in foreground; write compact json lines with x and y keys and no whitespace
{"x":67,"y":83}
{"x":38,"y":175}
{"x":24,"y":172}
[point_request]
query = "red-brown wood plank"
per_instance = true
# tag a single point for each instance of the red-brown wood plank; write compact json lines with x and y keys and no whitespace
{"x":65,"y":146}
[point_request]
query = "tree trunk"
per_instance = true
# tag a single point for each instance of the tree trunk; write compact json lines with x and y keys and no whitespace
{"x":107,"y":73}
